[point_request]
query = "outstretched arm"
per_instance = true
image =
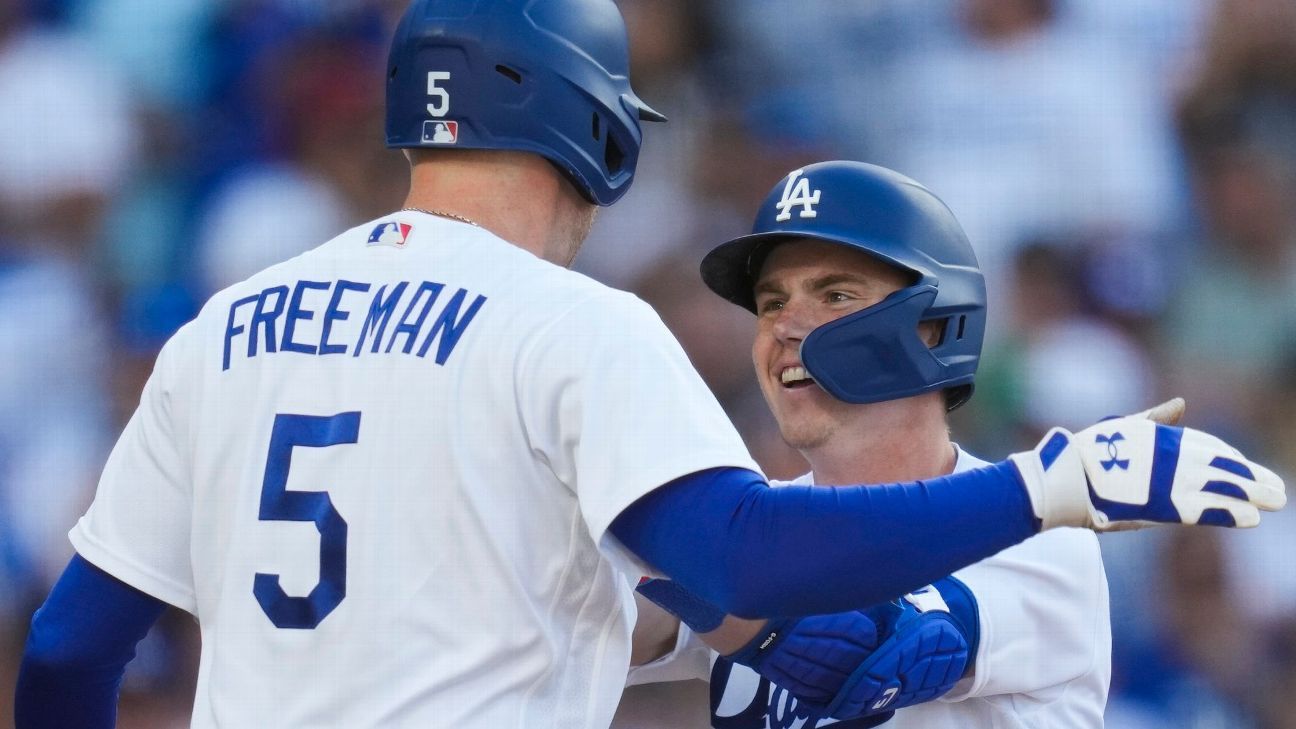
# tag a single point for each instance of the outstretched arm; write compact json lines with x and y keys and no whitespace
{"x":754,"y":551}
{"x":80,"y":642}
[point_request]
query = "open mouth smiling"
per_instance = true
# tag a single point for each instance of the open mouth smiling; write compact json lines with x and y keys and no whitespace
{"x":795,"y":378}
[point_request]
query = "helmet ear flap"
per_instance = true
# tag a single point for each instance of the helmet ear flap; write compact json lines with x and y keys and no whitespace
{"x":951,"y":330}
{"x":614,"y":151}
{"x":879,"y":354}
{"x":613,"y":157}
{"x":956,"y":397}
{"x":876,"y":354}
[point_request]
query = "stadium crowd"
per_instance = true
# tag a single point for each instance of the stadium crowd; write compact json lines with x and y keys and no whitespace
{"x":1126,"y":170}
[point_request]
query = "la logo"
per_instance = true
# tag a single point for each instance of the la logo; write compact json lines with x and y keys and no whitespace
{"x":797,"y":192}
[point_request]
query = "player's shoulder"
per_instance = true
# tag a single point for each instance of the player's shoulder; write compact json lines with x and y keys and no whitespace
{"x":568,"y":288}
{"x":524,"y":283}
{"x":215,"y":312}
{"x":530,"y":298}
{"x":573,"y":302}
{"x":217,"y":304}
{"x":597,"y":304}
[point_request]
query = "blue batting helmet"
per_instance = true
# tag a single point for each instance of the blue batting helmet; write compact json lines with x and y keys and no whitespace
{"x":542,"y":76}
{"x":874,"y":354}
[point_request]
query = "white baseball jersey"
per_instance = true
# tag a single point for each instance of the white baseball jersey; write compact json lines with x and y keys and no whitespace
{"x":381,"y":475}
{"x":1044,"y":660}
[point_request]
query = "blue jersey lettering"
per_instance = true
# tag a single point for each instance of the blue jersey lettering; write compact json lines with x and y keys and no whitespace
{"x":380,"y":312}
{"x":337,"y":326}
{"x":335,"y":313}
{"x":267,"y":318}
{"x":231,"y":331}
{"x":411,"y":330}
{"x":450,"y":326}
{"x":296,"y":313}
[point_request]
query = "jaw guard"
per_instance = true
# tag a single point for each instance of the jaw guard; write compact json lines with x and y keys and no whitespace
{"x":876,"y":354}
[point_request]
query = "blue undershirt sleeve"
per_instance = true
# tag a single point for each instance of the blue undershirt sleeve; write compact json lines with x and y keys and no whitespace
{"x":80,"y":642}
{"x":755,"y":551}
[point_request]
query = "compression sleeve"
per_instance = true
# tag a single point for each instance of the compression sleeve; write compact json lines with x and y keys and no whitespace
{"x":755,"y":551}
{"x":80,"y":642}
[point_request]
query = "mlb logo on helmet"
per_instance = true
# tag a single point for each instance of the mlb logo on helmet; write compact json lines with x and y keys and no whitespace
{"x":436,"y":131}
{"x":390,"y":234}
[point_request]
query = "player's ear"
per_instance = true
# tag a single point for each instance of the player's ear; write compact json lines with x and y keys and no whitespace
{"x":930,"y":332}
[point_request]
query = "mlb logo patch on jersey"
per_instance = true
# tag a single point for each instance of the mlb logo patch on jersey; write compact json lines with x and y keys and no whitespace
{"x":440,"y":132}
{"x":390,"y":234}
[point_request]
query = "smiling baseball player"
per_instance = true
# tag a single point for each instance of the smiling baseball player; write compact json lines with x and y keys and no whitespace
{"x":411,"y":477}
{"x":871,"y":309}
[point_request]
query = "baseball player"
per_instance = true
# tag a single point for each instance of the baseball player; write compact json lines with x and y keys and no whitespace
{"x":871,"y":310}
{"x":410,"y":477}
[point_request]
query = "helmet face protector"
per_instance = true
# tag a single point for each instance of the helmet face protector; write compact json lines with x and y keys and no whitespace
{"x":543,"y":76}
{"x":877,"y":353}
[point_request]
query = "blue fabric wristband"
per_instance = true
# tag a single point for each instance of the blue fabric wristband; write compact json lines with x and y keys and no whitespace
{"x":699,"y":615}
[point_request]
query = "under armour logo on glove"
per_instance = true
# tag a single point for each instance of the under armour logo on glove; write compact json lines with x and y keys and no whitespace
{"x":1172,"y":475}
{"x":1113,"y":456}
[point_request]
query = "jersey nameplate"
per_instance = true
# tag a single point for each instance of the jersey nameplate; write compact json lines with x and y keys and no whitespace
{"x":340,"y":317}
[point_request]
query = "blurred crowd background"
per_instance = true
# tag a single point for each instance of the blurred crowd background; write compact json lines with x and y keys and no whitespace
{"x":1126,"y":170}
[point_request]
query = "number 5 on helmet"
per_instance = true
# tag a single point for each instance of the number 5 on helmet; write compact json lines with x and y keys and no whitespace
{"x":1131,"y":472}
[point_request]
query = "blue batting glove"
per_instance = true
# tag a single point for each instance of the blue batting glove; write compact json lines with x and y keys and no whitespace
{"x":811,"y":657}
{"x":859,"y":665}
{"x":924,"y":654}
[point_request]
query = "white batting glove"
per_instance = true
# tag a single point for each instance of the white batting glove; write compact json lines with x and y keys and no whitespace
{"x":1131,"y":472}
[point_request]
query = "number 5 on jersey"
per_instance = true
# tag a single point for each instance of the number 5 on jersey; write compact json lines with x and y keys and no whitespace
{"x":280,"y":504}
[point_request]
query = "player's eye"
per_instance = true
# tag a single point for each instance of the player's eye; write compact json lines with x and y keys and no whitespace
{"x":768,"y":305}
{"x":837,"y":297}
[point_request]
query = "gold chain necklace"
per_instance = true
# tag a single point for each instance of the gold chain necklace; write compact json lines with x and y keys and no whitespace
{"x":442,"y":214}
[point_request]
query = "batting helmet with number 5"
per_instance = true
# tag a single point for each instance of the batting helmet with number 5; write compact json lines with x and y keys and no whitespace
{"x":543,"y":76}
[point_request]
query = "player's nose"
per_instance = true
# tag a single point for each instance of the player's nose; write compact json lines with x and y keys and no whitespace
{"x":792,"y":323}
